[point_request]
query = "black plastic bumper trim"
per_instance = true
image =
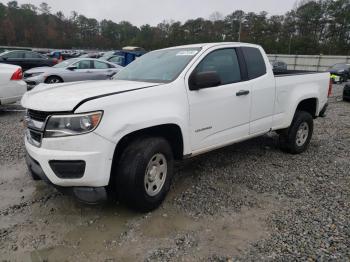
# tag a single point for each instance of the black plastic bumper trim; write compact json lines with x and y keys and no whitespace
{"x":68,"y":169}
{"x":88,"y":195}
{"x":323,"y":111}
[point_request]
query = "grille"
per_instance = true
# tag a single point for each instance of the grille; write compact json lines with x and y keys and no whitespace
{"x":38,"y":115}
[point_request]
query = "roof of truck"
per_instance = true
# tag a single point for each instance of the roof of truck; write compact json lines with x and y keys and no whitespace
{"x":209,"y":45}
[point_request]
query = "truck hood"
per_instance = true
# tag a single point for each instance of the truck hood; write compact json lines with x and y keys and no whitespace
{"x":66,"y":96}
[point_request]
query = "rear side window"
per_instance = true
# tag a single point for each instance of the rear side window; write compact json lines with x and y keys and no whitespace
{"x":100,"y":65}
{"x":224,"y":62}
{"x":32,"y":55}
{"x":15,"y":54}
{"x":84,"y":64}
{"x":255,"y":62}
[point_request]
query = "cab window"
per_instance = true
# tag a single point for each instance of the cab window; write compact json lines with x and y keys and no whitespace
{"x":255,"y":62}
{"x":224,"y":62}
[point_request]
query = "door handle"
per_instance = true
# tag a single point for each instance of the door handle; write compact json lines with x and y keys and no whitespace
{"x":242,"y":93}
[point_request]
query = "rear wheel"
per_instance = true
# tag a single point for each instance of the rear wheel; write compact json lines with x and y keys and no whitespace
{"x":53,"y":80}
{"x":144,"y":173}
{"x":296,"y":138}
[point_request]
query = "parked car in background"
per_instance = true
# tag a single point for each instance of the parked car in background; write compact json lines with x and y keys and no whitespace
{"x":279,"y":67}
{"x":134,"y":48}
{"x":62,"y":55}
{"x":346,"y":93}
{"x":115,"y":59}
{"x":12,"y":86}
{"x":341,"y":70}
{"x":175,"y":103}
{"x":122,"y":57}
{"x":26,"y":59}
{"x":91,"y":55}
{"x":75,"y":69}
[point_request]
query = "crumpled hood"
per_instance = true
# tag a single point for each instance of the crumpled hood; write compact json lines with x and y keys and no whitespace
{"x":66,"y":96}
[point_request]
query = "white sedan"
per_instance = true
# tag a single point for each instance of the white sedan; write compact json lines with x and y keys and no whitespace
{"x":12,"y":86}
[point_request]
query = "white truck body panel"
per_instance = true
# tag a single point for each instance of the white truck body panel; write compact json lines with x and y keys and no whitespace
{"x":290,"y":90}
{"x":208,"y":118}
{"x":10,"y":91}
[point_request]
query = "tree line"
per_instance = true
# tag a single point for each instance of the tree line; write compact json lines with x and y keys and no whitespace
{"x":312,"y":27}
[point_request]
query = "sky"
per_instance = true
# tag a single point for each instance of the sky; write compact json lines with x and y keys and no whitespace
{"x":152,"y":12}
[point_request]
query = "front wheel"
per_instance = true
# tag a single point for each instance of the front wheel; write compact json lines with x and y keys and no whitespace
{"x":144,"y":173}
{"x":53,"y":80}
{"x":296,"y":138}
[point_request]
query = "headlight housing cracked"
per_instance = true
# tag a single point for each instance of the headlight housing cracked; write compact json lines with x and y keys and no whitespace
{"x":71,"y":125}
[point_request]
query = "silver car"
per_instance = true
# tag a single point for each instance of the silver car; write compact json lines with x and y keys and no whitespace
{"x":76,"y":69}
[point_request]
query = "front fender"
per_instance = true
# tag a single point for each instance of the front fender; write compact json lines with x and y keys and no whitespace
{"x":133,"y":111}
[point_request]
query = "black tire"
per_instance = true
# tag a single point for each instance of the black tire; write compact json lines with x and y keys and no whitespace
{"x":131,"y":172}
{"x":53,"y":80}
{"x":289,"y":141}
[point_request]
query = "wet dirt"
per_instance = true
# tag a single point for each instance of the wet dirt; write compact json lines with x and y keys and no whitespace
{"x":39,"y":224}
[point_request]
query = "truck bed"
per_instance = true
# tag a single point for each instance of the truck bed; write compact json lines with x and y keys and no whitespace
{"x":296,"y":84}
{"x":294,"y":72}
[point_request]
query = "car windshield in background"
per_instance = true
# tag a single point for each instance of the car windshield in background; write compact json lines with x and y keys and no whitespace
{"x":65,"y":63}
{"x":161,"y":66}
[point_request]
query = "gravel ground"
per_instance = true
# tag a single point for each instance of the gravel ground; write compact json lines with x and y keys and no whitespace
{"x":247,"y":202}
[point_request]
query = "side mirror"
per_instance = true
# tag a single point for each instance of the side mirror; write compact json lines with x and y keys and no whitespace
{"x":72,"y":68}
{"x":204,"y":80}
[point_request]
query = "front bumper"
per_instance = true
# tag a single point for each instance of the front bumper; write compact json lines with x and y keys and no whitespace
{"x":34,"y":81}
{"x":90,"y":195}
{"x":95,"y":151}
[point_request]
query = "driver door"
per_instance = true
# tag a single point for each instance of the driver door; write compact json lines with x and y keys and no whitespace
{"x":219,"y":115}
{"x":83,"y":71}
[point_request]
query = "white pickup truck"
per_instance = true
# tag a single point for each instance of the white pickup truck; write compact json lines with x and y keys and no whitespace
{"x":91,"y":138}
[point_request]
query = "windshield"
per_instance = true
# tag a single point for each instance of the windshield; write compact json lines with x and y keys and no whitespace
{"x":65,"y":63}
{"x":117,"y":60}
{"x":161,"y":66}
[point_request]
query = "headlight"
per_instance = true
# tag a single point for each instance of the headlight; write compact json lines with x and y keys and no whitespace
{"x":70,"y":125}
{"x":36,"y":74}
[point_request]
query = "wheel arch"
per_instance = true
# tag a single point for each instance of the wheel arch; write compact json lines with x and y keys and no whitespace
{"x":53,"y":76}
{"x":171,"y":132}
{"x":309,"y":105}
